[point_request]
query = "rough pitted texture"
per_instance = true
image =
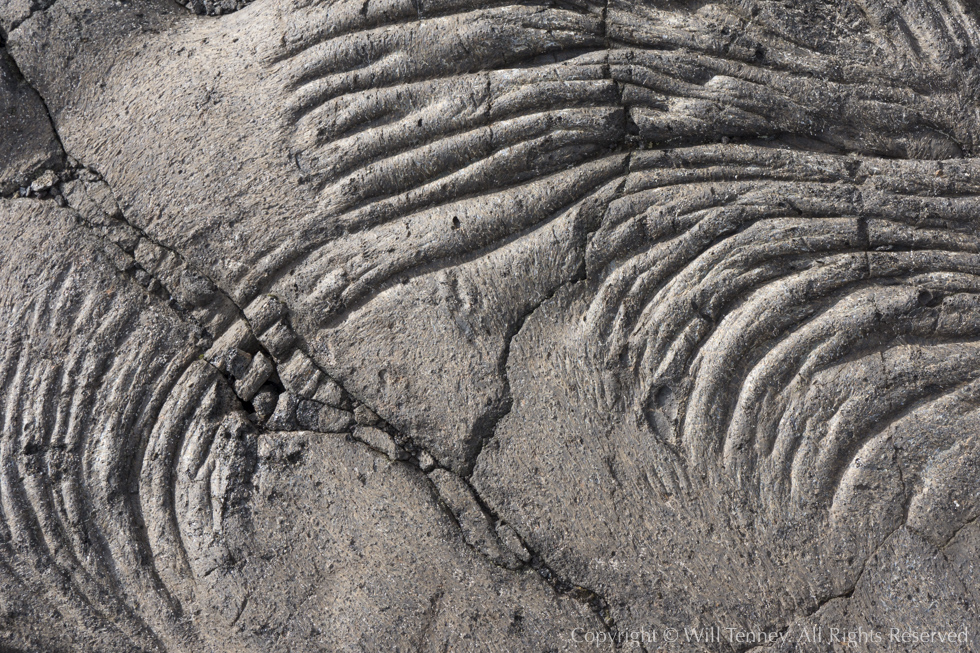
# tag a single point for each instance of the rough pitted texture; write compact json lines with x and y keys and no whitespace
{"x":215,"y":7}
{"x":27,"y":142}
{"x":448,"y":325}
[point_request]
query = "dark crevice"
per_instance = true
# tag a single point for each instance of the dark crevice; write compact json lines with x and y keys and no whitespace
{"x":486,"y":427}
{"x":597,"y":604}
{"x":487,"y":432}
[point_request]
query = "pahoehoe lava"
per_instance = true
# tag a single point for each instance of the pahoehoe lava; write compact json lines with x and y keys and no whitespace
{"x":364,"y":325}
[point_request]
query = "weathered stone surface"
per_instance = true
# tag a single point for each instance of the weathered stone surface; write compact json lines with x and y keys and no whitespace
{"x":134,"y":485}
{"x":27,"y":141}
{"x":447,"y":325}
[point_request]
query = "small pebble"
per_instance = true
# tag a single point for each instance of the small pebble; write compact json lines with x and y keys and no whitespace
{"x":426,"y":462}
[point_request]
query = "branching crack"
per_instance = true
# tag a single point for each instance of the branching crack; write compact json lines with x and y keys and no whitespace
{"x":407,"y":451}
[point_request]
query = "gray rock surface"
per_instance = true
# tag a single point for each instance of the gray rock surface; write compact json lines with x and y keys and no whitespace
{"x":442,"y":325}
{"x":27,"y":142}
